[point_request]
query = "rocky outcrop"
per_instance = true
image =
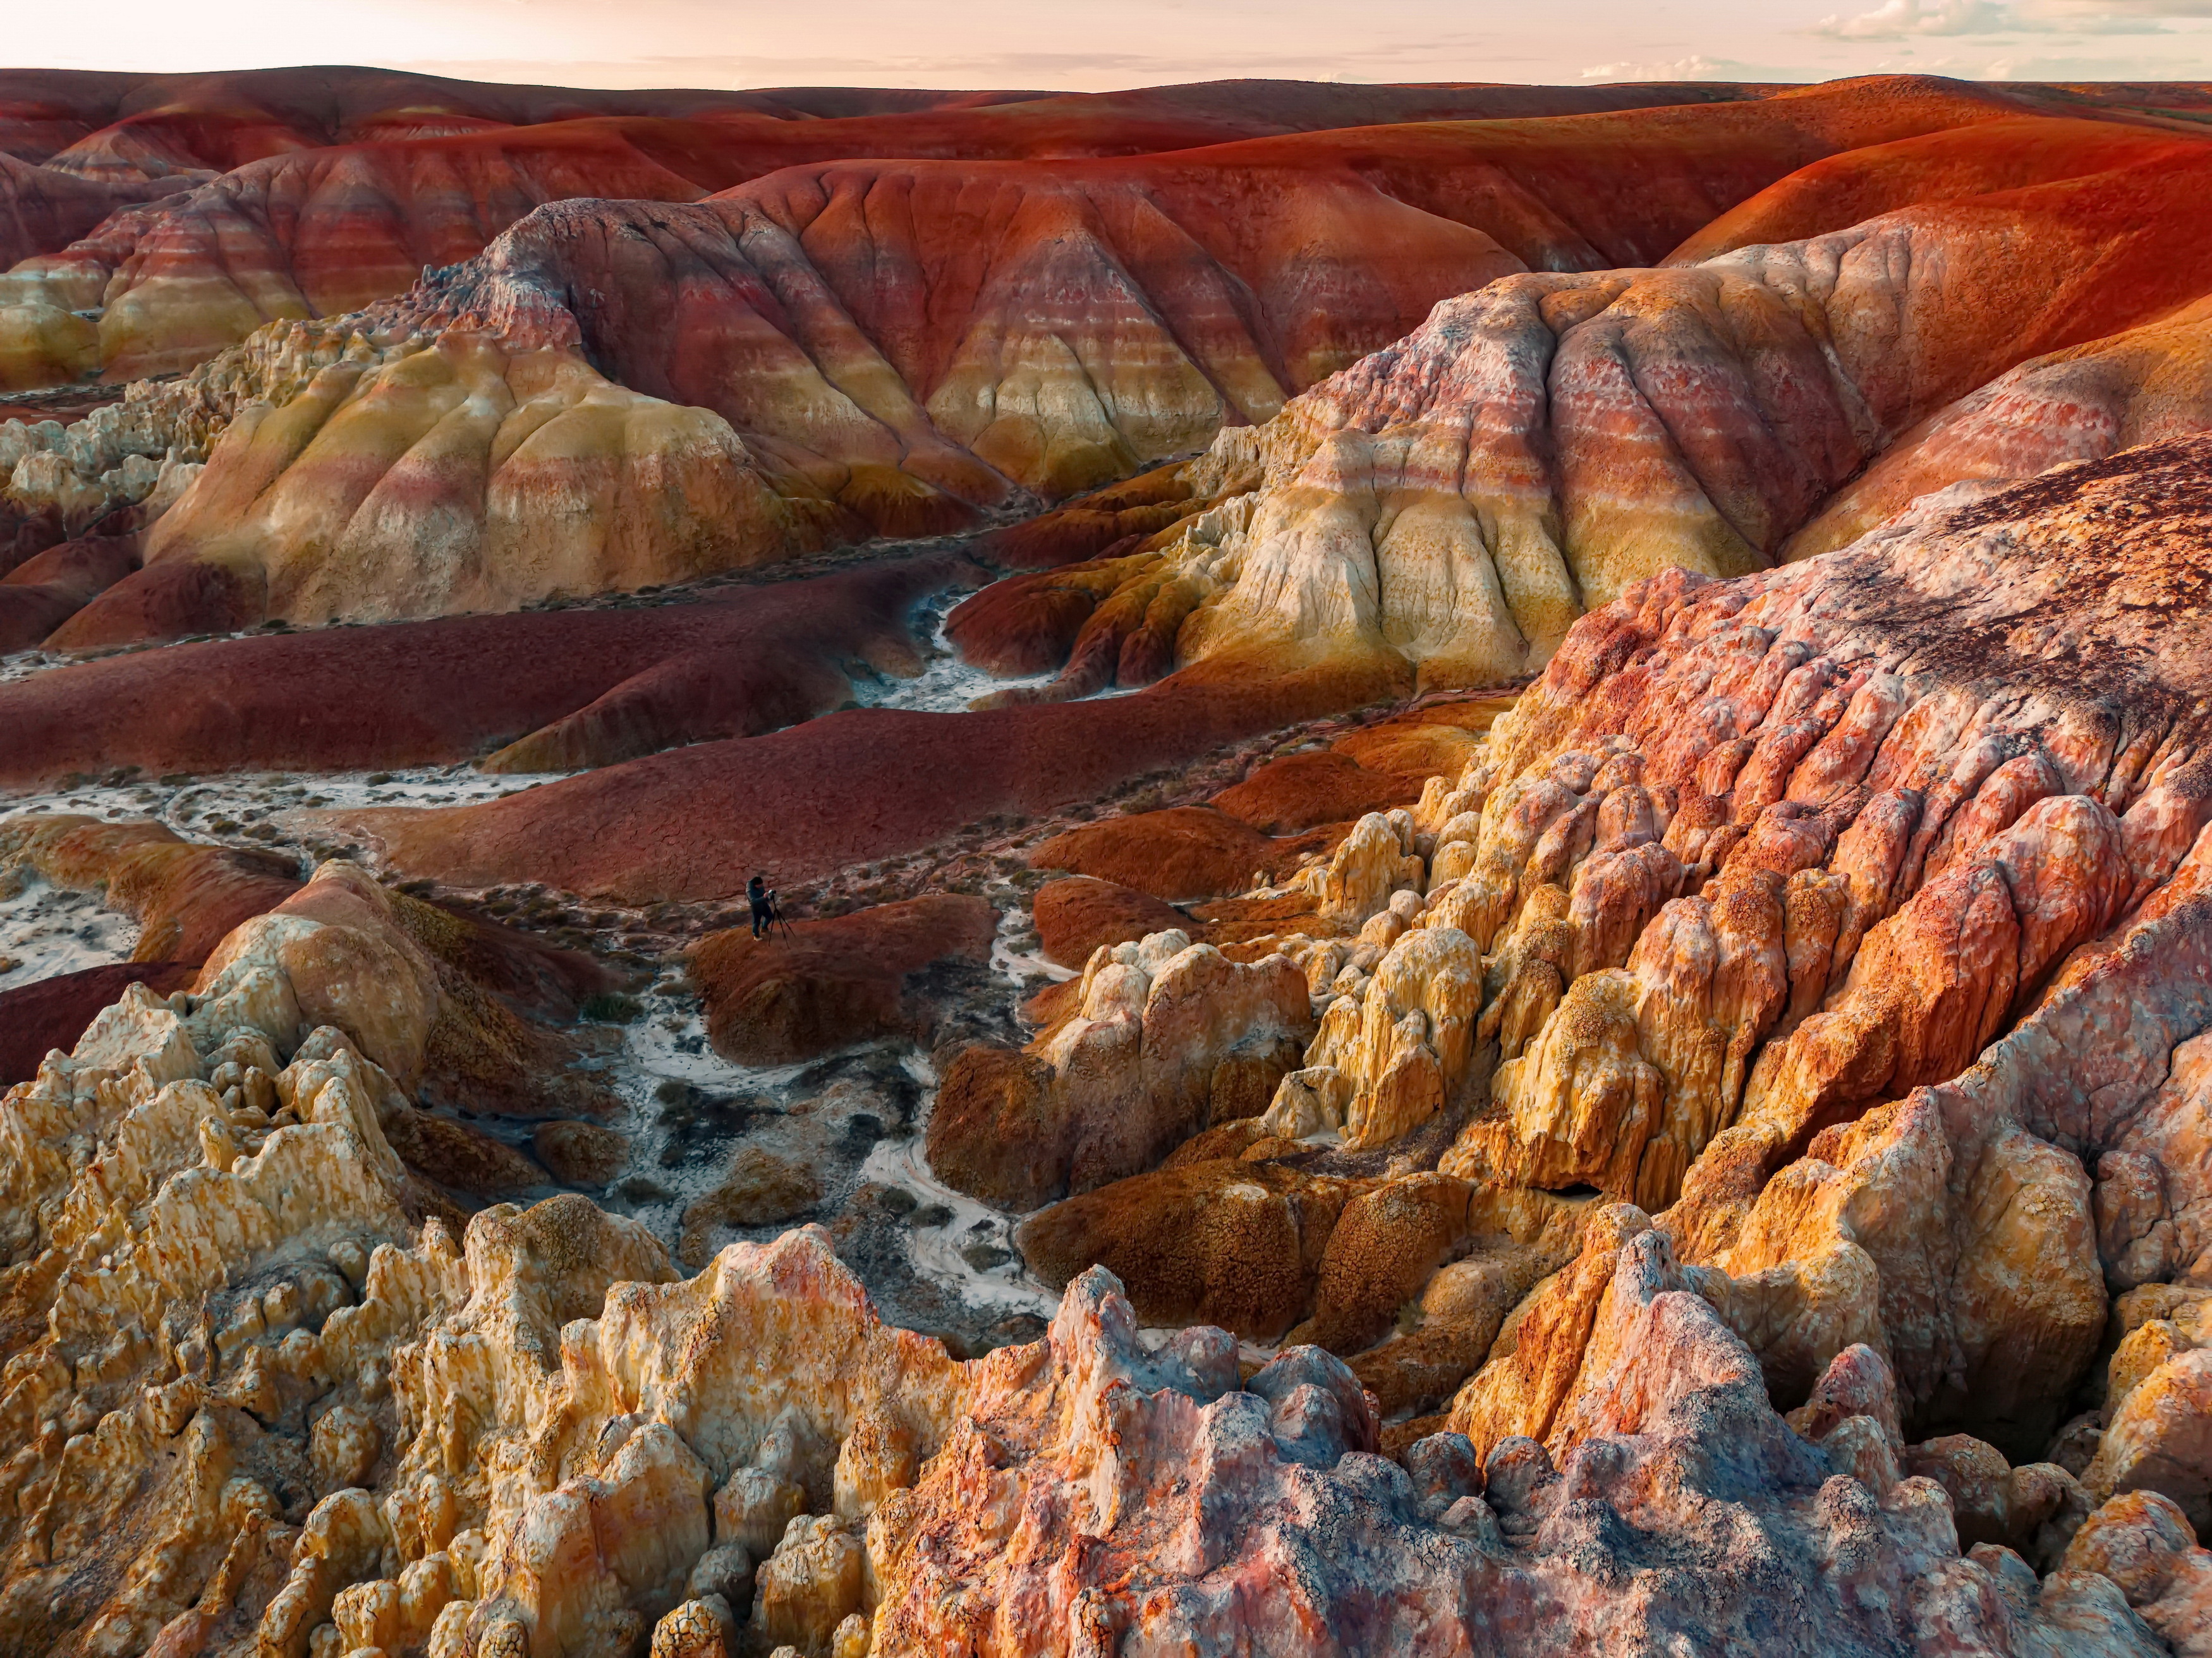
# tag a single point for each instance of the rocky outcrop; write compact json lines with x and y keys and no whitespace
{"x":370,"y":962}
{"x":1727,"y":880}
{"x":1164,"y":1037}
{"x":834,"y":981}
{"x":1522,"y":1551}
{"x":97,"y":482}
{"x":1440,"y":513}
{"x":1701,"y":1154}
{"x":314,"y":1441}
{"x":460,"y":1011}
{"x":529,"y":1434}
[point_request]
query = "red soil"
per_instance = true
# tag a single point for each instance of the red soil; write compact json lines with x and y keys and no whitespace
{"x":1183,"y":854}
{"x":563,"y":688}
{"x":801,"y":803}
{"x":1979,"y":160}
{"x":833,"y":983}
{"x":41,"y":209}
{"x":1304,"y":790}
{"x":47,"y":589}
{"x":1076,"y":916}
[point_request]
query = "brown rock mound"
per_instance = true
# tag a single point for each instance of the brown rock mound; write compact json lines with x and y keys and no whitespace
{"x":1304,"y":790}
{"x":831,"y":983}
{"x":1181,"y":854}
{"x":580,"y":1153}
{"x":1076,"y":916}
{"x":1436,"y":740}
{"x":758,"y":1188}
{"x":994,"y":1106}
{"x":1162,"y":1038}
{"x":460,"y":1158}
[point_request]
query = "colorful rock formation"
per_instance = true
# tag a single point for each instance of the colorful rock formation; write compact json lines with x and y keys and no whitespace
{"x":1718,"y":929}
{"x":829,"y":984}
{"x":750,"y":1453}
{"x":1440,"y":513}
{"x":308,"y":194}
{"x":874,"y":347}
{"x":1538,"y":977}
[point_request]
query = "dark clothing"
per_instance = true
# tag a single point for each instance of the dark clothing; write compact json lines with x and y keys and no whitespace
{"x":763,"y":902}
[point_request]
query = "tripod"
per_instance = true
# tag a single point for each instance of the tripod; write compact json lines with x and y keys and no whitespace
{"x":775,"y":921}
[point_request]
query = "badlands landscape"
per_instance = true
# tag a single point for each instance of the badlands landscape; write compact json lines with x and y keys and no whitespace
{"x":1490,"y":811}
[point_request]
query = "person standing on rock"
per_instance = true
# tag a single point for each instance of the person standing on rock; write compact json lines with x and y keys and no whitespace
{"x":762,"y":897}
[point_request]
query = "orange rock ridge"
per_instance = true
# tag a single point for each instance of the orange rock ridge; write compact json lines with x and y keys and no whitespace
{"x":1568,"y":1007}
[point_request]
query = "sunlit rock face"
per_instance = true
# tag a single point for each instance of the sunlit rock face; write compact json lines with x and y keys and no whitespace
{"x":874,"y":334}
{"x":530,"y":1437}
{"x":1440,"y":513}
{"x":1727,"y":926}
{"x":1502,"y":945}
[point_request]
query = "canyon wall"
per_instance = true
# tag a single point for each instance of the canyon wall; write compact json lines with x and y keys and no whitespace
{"x":1487,"y":819}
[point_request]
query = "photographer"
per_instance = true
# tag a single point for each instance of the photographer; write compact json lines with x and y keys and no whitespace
{"x":762,"y":897}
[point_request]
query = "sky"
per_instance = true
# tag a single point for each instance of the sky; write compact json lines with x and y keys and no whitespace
{"x":1106,"y":44}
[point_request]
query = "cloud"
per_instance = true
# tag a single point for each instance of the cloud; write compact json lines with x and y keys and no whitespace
{"x":1897,"y":19}
{"x":2115,"y":10}
{"x":1696,"y":67}
{"x":1903,"y":19}
{"x":1386,"y":62}
{"x":2032,"y":63}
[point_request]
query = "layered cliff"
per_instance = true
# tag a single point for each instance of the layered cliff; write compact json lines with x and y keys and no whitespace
{"x":1443,"y":512}
{"x":901,"y":348}
{"x":309,"y":193}
{"x":1539,"y":980}
{"x":1937,"y":1263}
